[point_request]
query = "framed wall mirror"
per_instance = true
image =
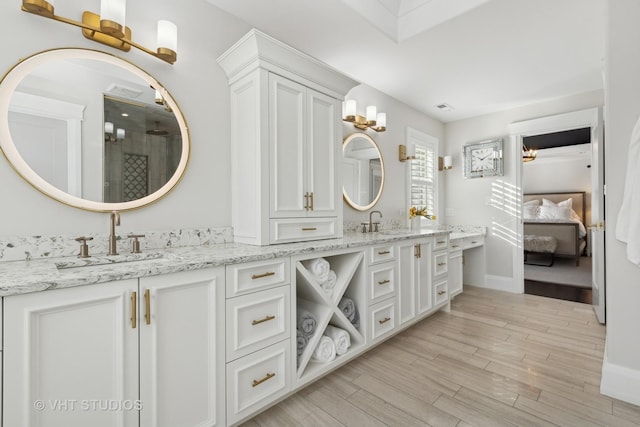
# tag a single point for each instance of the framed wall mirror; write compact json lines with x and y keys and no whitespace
{"x":362,"y":171}
{"x":92,"y":130}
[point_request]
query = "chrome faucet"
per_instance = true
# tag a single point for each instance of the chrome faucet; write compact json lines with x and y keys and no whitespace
{"x":114,"y":220}
{"x":370,"y":221}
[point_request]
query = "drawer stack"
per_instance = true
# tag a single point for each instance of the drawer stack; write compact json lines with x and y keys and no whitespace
{"x":382,"y":283}
{"x":258,"y":332}
{"x":440,"y":262}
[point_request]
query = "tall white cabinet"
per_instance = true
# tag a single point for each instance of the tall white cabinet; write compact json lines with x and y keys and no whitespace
{"x":286,"y":140}
{"x":145,"y":352}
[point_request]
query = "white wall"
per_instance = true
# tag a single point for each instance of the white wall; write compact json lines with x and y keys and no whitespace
{"x":558,"y":174}
{"x":197,"y":83}
{"x":467,"y":199}
{"x":392,"y":204}
{"x":621,"y":371}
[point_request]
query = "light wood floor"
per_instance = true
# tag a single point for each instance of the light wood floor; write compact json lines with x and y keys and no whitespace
{"x":498,"y":359}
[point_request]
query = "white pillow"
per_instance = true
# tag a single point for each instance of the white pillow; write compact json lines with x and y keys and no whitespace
{"x":530,"y":212}
{"x":534,"y":202}
{"x":563,"y":204}
{"x":554,"y":212}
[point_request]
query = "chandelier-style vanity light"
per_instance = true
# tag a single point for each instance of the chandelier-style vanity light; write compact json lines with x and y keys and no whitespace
{"x":109,"y":27}
{"x":372,"y":120}
{"x":528,"y":155}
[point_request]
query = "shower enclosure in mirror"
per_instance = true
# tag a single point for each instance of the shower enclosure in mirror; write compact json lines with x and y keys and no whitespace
{"x":363,"y":171}
{"x":91,"y":130}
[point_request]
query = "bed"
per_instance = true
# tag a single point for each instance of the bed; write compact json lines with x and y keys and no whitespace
{"x":558,"y":215}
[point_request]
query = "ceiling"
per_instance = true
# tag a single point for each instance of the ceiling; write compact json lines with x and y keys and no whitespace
{"x":479,"y":56}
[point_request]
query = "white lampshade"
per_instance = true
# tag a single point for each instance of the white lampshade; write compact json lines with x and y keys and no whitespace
{"x":120,"y":133}
{"x":381,"y":120}
{"x":350,"y":108}
{"x":168,"y":35}
{"x":113,"y":10}
{"x":371,"y":113}
{"x":158,"y":98}
{"x":448,"y":162}
{"x":108,"y":128}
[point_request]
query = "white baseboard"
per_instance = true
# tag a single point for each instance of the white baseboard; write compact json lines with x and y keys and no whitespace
{"x":500,"y":283}
{"x":620,"y":382}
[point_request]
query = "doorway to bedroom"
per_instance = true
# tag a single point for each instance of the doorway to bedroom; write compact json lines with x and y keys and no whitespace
{"x":556,"y":206}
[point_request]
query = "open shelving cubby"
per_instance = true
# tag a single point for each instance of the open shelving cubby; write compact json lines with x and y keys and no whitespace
{"x":349,"y":269}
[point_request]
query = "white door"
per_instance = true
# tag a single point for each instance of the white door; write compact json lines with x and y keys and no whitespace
{"x":71,"y":357}
{"x":597,"y":219}
{"x":407,"y":260}
{"x":323,"y":148}
{"x":181,"y":349}
{"x":289,"y":198}
{"x":424,"y":277}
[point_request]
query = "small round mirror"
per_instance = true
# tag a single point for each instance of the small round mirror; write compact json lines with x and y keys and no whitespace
{"x":362,"y":171}
{"x":91,"y":130}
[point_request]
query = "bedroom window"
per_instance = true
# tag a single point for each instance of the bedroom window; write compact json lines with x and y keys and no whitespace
{"x":422,"y":173}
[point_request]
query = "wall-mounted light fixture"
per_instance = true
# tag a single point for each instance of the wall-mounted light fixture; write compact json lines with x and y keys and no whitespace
{"x":445,"y":163}
{"x":109,"y":134}
{"x":528,"y":155}
{"x":108,"y":28}
{"x":372,"y":120}
{"x":406,"y":153}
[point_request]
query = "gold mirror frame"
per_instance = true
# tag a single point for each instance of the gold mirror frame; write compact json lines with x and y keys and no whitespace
{"x":10,"y":82}
{"x":349,"y":139}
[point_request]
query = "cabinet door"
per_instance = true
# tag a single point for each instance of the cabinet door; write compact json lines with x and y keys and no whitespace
{"x":182,"y":349}
{"x":424,"y":282}
{"x":287,"y":148}
{"x":407,"y":263}
{"x":455,"y":273}
{"x":70,"y":355}
{"x":323,"y":143}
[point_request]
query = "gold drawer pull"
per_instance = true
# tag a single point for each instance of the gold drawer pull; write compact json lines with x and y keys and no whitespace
{"x":384,"y":282}
{"x":134,"y":309}
{"x":260,"y":276}
{"x":147,"y":305}
{"x":442,"y":292}
{"x":384,"y":252}
{"x":385,"y":320}
{"x":266,"y":319}
{"x":455,"y":246}
{"x":473,"y":242}
{"x":309,"y":228}
{"x":441,"y":242}
{"x":266,"y":378}
{"x":440,"y":264}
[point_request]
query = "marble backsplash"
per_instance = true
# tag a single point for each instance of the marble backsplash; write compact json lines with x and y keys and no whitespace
{"x":24,"y":248}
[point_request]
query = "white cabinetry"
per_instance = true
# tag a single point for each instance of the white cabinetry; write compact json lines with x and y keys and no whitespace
{"x":121,"y":353}
{"x":455,"y":267}
{"x":382,"y":284}
{"x":285,"y":142}
{"x":414,"y":278}
{"x":258,"y":332}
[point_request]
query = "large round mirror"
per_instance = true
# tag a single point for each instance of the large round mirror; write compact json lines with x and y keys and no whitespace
{"x":362,"y":171}
{"x":91,"y":130}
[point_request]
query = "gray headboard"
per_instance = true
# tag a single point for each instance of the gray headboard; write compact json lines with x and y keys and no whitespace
{"x":578,"y":200}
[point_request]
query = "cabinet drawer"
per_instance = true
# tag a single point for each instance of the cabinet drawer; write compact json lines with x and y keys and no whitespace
{"x":440,"y":263}
{"x":383,"y":319}
{"x":440,"y":242}
{"x":456,"y":245}
{"x":300,"y":229}
{"x":382,"y":283}
{"x":381,"y":253}
{"x":440,"y":292}
{"x":257,"y":320}
{"x":473,"y":241}
{"x":256,"y":380}
{"x":259,"y":275}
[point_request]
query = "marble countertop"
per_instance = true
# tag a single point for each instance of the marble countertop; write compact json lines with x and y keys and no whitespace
{"x":20,"y":277}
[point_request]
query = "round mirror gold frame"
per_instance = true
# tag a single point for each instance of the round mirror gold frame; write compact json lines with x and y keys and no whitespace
{"x":350,"y":139}
{"x":10,"y":82}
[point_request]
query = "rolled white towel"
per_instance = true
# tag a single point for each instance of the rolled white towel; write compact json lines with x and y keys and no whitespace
{"x":330,"y":283}
{"x":319,"y":267}
{"x":340,"y":337}
{"x":325,"y":351}
{"x":306,"y":321}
